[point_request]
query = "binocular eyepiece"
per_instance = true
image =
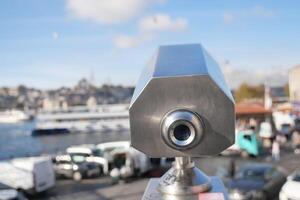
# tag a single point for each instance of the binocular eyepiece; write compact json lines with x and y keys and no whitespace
{"x":182,"y":129}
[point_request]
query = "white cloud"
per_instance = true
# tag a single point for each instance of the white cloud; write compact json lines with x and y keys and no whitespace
{"x":162,"y":22}
{"x":273,"y":76}
{"x":125,"y":41}
{"x":228,"y":17}
{"x":107,"y":11}
{"x":149,"y":27}
{"x":117,"y":11}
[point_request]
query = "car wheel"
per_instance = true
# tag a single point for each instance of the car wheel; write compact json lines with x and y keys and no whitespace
{"x":101,"y":171}
{"x":77,"y":176}
{"x":261,"y":195}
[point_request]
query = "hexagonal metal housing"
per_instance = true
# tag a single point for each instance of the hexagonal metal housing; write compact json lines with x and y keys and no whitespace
{"x":182,"y":77}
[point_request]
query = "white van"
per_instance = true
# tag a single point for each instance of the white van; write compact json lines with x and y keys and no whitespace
{"x":91,"y":153}
{"x":132,"y":159}
{"x":32,"y":174}
{"x":107,"y":147}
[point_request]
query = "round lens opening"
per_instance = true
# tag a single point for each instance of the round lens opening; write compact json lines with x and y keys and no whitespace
{"x":182,"y":132}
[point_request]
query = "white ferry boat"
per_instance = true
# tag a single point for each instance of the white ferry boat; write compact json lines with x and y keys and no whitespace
{"x":102,"y":118}
{"x":13,"y":116}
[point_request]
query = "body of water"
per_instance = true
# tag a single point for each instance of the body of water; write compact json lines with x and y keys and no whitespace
{"x":16,"y":140}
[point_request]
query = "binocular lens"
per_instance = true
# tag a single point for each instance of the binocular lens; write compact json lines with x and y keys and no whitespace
{"x":181,"y":129}
{"x":182,"y":132}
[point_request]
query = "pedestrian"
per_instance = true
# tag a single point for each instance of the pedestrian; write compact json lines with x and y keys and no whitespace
{"x":115,"y":175}
{"x":296,"y":141}
{"x":253,"y":124}
{"x":276,"y":150}
{"x":232,"y":168}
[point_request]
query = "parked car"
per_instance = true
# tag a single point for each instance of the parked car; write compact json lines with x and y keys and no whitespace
{"x":266,"y":130}
{"x":32,"y":174}
{"x":9,"y":193}
{"x":286,"y":130}
{"x":130,"y":163}
{"x":283,"y":122}
{"x":291,"y":189}
{"x":248,"y":143}
{"x":105,"y":149}
{"x":75,"y":166}
{"x":121,"y":155}
{"x":256,"y":181}
{"x":91,"y":154}
{"x":297,"y":125}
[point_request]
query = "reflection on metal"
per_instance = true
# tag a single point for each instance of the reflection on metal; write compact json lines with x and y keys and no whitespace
{"x":184,"y":179}
{"x":217,"y":192}
{"x":182,"y":108}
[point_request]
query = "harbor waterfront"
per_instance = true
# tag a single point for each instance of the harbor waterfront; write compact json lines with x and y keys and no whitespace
{"x":149,"y":100}
{"x":16,"y":140}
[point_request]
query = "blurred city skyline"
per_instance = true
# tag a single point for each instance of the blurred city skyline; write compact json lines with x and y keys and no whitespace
{"x":49,"y":44}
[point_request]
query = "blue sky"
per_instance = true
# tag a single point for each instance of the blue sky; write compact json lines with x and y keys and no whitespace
{"x":51,"y":43}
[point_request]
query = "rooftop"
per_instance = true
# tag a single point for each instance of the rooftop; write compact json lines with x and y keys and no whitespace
{"x":251,"y":108}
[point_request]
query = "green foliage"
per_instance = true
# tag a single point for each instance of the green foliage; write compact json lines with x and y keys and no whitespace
{"x":287,"y":90}
{"x":246,"y":91}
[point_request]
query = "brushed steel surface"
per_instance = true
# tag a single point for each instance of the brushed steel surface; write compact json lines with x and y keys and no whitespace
{"x":217,"y":192}
{"x":184,"y":179}
{"x":182,"y":77}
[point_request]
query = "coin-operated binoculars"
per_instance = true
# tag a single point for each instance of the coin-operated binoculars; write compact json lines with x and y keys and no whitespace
{"x":182,"y":108}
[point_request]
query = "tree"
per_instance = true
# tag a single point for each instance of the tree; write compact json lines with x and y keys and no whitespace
{"x":246,"y":91}
{"x":287,"y":90}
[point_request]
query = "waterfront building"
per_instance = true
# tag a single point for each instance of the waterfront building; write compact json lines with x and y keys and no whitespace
{"x":294,"y":83}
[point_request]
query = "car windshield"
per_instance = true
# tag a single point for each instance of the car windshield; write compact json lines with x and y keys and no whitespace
{"x":297,"y":177}
{"x":253,"y":174}
{"x":110,"y":149}
{"x":98,"y":152}
{"x":78,"y":158}
{"x":285,"y":127}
